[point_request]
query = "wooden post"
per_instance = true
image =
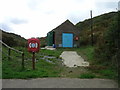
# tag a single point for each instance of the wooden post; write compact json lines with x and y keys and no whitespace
{"x":33,"y":61}
{"x":91,"y":28}
{"x":9,"y":54}
{"x":22,"y":60}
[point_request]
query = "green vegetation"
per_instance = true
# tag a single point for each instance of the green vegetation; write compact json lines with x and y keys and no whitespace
{"x":100,"y":25}
{"x":15,"y":40}
{"x":106,"y":50}
{"x":12,"y":68}
{"x":87,"y":52}
{"x":43,"y":69}
{"x":87,"y":75}
{"x":0,"y":69}
{"x":108,"y":73}
{"x":12,"y":39}
{"x":54,"y":68}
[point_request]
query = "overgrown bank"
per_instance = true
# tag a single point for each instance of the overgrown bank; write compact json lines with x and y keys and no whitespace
{"x":106,"y":36}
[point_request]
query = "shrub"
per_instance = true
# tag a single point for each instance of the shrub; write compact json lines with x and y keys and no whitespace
{"x":106,"y":49}
{"x":87,"y":75}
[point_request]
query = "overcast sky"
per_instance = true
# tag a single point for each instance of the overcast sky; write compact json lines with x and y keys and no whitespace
{"x":34,"y":18}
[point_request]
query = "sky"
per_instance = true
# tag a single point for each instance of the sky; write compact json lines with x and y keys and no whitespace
{"x":35,"y":18}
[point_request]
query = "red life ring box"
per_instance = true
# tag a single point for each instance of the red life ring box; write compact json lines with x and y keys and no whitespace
{"x":33,"y":45}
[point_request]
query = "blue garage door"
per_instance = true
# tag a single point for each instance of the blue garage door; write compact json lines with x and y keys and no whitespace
{"x":67,"y":40}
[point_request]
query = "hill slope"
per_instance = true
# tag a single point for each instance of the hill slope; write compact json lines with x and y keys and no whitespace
{"x":106,"y":34}
{"x":100,"y":25}
{"x":12,"y":39}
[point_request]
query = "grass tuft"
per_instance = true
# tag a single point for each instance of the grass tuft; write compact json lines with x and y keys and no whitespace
{"x":87,"y":75}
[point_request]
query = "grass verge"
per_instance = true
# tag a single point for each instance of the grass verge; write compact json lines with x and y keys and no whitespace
{"x":45,"y":67}
{"x":54,"y":68}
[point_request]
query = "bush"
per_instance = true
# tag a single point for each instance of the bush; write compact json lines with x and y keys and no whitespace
{"x":9,"y":41}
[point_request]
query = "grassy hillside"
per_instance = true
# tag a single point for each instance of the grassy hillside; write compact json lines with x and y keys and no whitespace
{"x":12,"y":39}
{"x":100,"y":25}
{"x":106,"y":35}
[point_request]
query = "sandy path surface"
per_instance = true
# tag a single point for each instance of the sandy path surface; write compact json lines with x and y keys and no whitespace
{"x":72,"y":59}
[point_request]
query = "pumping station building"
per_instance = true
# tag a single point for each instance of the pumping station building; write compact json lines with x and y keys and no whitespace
{"x":65,"y":35}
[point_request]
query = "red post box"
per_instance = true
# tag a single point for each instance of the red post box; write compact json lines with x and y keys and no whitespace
{"x":33,"y":45}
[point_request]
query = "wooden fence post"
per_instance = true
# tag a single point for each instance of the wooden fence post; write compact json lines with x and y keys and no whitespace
{"x":33,"y":61}
{"x":22,"y":60}
{"x":9,"y":54}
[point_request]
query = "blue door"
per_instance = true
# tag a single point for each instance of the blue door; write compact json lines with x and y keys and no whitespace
{"x":67,"y":40}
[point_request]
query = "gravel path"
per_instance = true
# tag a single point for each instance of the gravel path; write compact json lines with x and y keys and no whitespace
{"x":59,"y":83}
{"x":72,"y":59}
